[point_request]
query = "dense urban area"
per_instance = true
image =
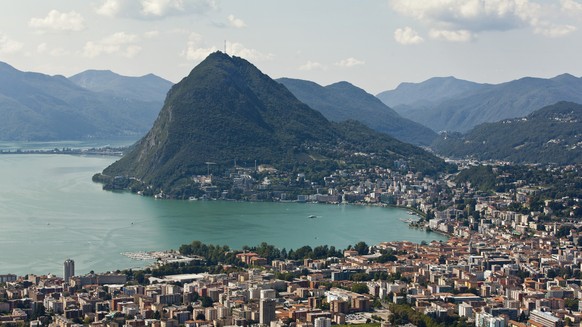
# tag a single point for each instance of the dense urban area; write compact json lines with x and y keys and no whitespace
{"x":485,"y":168}
{"x":512,"y":259}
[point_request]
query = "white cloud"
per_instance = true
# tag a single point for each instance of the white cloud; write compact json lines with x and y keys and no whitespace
{"x":463,"y":20}
{"x":109,"y":8}
{"x":197,"y":54}
{"x":195,"y":49}
{"x":452,"y":36}
{"x":572,"y":7}
{"x":119,"y":43}
{"x":8,"y":45}
{"x":239,"y":50}
{"x":55,"y":20}
{"x":154,"y":9}
{"x":236,"y":22}
{"x":407,"y":36}
{"x":350,"y":62}
{"x":312,"y":65}
{"x":554,"y":30}
{"x":160,"y":7}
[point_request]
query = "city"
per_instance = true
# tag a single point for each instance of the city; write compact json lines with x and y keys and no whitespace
{"x":499,"y":267}
{"x":214,"y":163}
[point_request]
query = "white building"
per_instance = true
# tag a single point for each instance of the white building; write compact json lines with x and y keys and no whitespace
{"x":322,"y":322}
{"x":465,"y":310}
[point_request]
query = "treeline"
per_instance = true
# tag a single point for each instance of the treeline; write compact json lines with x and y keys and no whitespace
{"x":215,"y":254}
{"x":222,"y":259}
{"x":403,"y":314}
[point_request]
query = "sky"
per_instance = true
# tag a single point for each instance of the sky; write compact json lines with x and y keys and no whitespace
{"x":373,"y":44}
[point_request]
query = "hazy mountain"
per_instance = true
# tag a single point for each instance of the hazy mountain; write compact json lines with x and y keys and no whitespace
{"x":491,"y":103}
{"x":552,"y":134}
{"x":344,"y":101}
{"x":145,"y":88}
{"x":227,"y":110}
{"x":431,"y":91}
{"x":35,"y":106}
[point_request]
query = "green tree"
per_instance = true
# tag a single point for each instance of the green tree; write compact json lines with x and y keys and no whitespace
{"x":571,"y":304}
{"x":206,"y":301}
{"x":362,"y":248}
{"x":360,"y":288}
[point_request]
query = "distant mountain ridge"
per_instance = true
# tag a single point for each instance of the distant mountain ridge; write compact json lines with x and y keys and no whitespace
{"x":227,"y":110}
{"x":39,"y":107}
{"x":343,"y":101}
{"x":552,"y":134}
{"x":146,"y":88}
{"x":433,"y":90}
{"x":468,"y":104}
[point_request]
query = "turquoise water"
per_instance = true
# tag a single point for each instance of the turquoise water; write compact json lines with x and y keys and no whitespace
{"x":50,"y":210}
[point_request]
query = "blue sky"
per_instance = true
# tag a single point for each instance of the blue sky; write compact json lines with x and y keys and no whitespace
{"x":373,"y":44}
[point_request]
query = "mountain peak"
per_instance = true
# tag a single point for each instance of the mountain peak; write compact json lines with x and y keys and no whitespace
{"x":343,"y":101}
{"x":226,"y":109}
{"x":434,"y":89}
{"x":565,"y":78}
{"x":347,"y":87}
{"x":343,"y":84}
{"x":40,"y":107}
{"x":146,"y":88}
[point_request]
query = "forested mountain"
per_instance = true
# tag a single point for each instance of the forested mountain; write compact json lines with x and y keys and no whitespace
{"x":552,"y":134}
{"x":40,"y":107}
{"x":344,"y":101}
{"x":227,"y":110}
{"x":473,"y":104}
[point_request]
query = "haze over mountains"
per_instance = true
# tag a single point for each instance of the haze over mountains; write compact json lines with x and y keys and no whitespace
{"x":449,"y":104}
{"x":40,"y":107}
{"x":343,"y":101}
{"x":150,"y":88}
{"x":226,"y":110}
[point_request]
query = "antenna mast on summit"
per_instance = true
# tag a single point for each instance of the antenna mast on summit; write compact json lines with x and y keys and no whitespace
{"x":225,"y":47}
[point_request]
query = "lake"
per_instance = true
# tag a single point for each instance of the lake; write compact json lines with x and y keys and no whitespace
{"x":50,"y":210}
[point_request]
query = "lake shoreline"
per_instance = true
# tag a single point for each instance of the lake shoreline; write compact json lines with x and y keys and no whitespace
{"x":50,"y":210}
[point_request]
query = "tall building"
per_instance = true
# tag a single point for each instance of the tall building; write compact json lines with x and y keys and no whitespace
{"x":69,"y":269}
{"x":266,"y":311}
{"x":545,"y":319}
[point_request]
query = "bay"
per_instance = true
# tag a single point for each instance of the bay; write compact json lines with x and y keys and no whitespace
{"x":50,"y":210}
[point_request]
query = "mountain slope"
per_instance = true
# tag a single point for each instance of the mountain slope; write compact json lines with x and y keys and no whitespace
{"x":491,"y":103}
{"x":149,"y":88}
{"x":227,"y":110}
{"x":344,"y":101}
{"x":552,"y":134}
{"x":431,"y":91}
{"x":35,"y":106}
